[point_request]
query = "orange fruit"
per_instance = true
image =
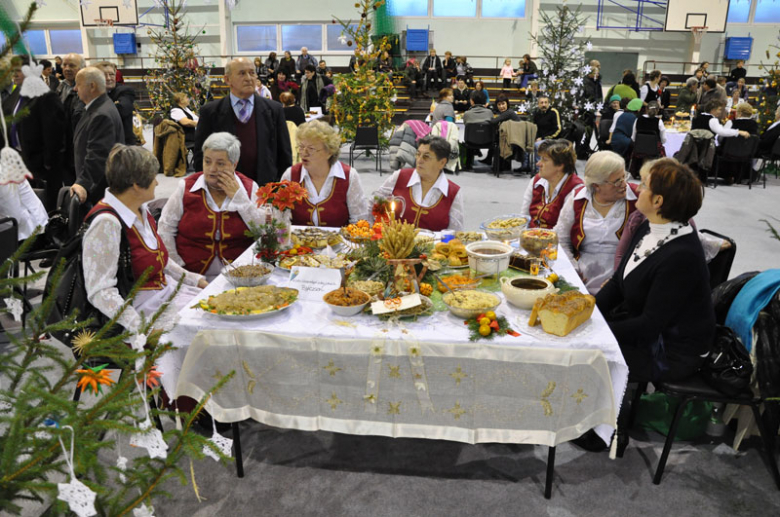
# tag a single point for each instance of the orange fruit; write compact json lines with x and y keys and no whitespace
{"x":490,"y":315}
{"x":484,"y":330}
{"x":484,"y":321}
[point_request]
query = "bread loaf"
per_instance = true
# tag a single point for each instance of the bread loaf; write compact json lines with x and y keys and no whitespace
{"x":560,"y":314}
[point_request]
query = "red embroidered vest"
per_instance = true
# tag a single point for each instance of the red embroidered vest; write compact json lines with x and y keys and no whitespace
{"x":544,"y":214}
{"x":578,"y":228}
{"x":434,"y":218}
{"x":332,"y":211}
{"x":142,"y":257}
{"x":204,"y":234}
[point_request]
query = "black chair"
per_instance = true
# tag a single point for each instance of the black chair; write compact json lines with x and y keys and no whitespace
{"x":9,"y":243}
{"x":478,"y":136}
{"x":773,"y":157}
{"x":720,"y":265}
{"x":645,"y":148}
{"x":740,"y":152}
{"x":603,"y":134}
{"x":696,"y":388}
{"x":366,"y":139}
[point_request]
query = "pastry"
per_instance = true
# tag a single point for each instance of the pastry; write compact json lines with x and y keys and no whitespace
{"x":560,"y":314}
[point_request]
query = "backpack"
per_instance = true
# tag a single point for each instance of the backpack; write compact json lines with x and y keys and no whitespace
{"x":71,"y":292}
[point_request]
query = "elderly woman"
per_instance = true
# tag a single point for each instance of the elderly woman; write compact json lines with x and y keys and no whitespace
{"x":444,"y":109}
{"x":182,"y":114}
{"x":686,"y":97}
{"x":204,"y":220}
{"x":120,"y":224}
{"x":292,"y":113}
{"x":431,"y":201}
{"x":547,"y":192}
{"x":592,"y":220}
{"x":335,"y":191}
{"x":657,"y":303}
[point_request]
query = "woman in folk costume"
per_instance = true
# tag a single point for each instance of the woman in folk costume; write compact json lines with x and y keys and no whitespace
{"x":335,"y":193}
{"x":556,"y":180}
{"x":204,"y":221}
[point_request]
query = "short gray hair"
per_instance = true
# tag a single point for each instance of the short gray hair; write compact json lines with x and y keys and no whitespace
{"x":129,"y":165}
{"x":95,"y":75}
{"x":601,"y":166}
{"x":691,"y":81}
{"x":224,"y":141}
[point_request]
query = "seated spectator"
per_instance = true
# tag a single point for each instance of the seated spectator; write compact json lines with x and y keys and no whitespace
{"x":20,"y":202}
{"x":546,"y":193}
{"x":740,"y":88}
{"x":657,"y":303}
{"x":311,"y":86}
{"x":259,"y":70}
{"x":769,"y":136}
{"x":262,"y":90}
{"x":292,"y":113}
{"x":547,"y":120}
{"x":48,"y":74}
{"x":592,"y":220}
{"x":432,"y":68}
{"x":461,"y":95}
{"x":743,"y":121}
{"x":687,"y":96}
{"x":737,"y":73}
{"x":323,"y":68}
{"x":270,"y":66}
{"x":131,"y":176}
{"x":203,"y":223}
{"x":527,"y":71}
{"x":479,"y":86}
{"x":432,"y":202}
{"x":449,"y":71}
{"x":532,"y":92}
{"x":444,"y":109}
{"x":303,"y":61}
{"x":501,"y":113}
{"x":184,"y":116}
{"x":287,"y":65}
{"x":710,"y":119}
{"x":622,"y":130}
{"x":282,"y":84}
{"x":385,"y":65}
{"x":464,"y":69}
{"x":413,"y":77}
{"x":478,"y":112}
{"x":704,"y":67}
{"x":335,"y":192}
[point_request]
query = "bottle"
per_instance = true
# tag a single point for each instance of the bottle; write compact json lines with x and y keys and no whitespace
{"x":433,"y":105}
{"x":716,"y":427}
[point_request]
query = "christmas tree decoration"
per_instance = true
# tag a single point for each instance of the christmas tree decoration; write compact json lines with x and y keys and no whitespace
{"x":93,"y":378}
{"x":563,"y":61}
{"x":768,"y":98}
{"x":80,"y":498}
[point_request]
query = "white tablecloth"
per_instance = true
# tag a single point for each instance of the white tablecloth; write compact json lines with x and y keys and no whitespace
{"x":674,"y":140}
{"x":306,"y":368}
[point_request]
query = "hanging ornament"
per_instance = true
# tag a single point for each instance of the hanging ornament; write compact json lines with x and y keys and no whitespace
{"x":150,"y":439}
{"x":578,"y":81}
{"x":143,"y":511}
{"x":14,"y":306}
{"x":588,"y":106}
{"x":80,"y":498}
{"x":599,"y":106}
{"x":589,"y":45}
{"x":121,"y":464}
{"x":223,"y":444}
{"x":586,"y":69}
{"x":94,"y":378}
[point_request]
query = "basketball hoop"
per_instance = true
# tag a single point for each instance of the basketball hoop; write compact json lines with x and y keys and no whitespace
{"x":104,"y":22}
{"x":698,"y":31}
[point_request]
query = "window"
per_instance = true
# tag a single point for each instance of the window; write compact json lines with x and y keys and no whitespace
{"x":65,"y":41}
{"x":256,"y":38}
{"x":459,"y":8}
{"x":739,"y":10}
{"x":503,"y":8}
{"x":409,"y":7}
{"x":767,"y":11}
{"x":334,"y":33}
{"x":36,"y":40}
{"x":296,"y":36}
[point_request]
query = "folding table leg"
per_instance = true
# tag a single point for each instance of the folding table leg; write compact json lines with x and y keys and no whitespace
{"x":659,"y":471}
{"x":550,"y":472}
{"x":237,"y":450}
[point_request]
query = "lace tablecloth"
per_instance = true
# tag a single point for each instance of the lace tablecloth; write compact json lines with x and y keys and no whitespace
{"x":307,"y":368}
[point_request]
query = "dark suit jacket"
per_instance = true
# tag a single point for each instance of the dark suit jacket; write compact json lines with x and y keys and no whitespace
{"x":74,"y":110}
{"x":274,"y":154}
{"x":124,"y":100}
{"x":767,"y":140}
{"x":96,"y":133}
{"x":432,"y":62}
{"x":42,"y":136}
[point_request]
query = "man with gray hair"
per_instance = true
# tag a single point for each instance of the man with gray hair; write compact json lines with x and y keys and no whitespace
{"x":258,"y":123}
{"x":203,"y":223}
{"x":74,"y":109}
{"x":96,"y":133}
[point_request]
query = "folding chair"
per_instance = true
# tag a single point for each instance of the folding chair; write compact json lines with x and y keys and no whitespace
{"x":603,"y":134}
{"x":480,"y":136}
{"x":739,"y":151}
{"x":645,"y":148}
{"x":773,"y":157}
{"x":366,"y":139}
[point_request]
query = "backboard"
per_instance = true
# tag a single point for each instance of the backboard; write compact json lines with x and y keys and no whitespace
{"x":683,"y":15}
{"x":119,"y":12}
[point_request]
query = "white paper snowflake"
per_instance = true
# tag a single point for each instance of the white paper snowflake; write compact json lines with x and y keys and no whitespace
{"x":225,"y":445}
{"x":545,"y":72}
{"x":138,"y":342}
{"x":599,"y":106}
{"x":80,"y":499}
{"x":143,"y":511}
{"x":588,"y":106}
{"x":586,"y":69}
{"x":14,"y":306}
{"x":121,"y":464}
{"x":151,"y":440}
{"x":589,"y":45}
{"x":578,"y":81}
{"x":574,"y":91}
{"x":553,"y":78}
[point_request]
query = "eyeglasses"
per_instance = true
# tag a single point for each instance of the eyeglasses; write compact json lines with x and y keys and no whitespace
{"x":424,"y":157}
{"x":618,"y":182}
{"x":308,"y":149}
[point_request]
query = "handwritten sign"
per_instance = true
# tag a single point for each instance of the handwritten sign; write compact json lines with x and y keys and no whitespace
{"x":314,"y":283}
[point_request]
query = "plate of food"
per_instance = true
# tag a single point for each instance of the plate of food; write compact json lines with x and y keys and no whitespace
{"x":504,"y":227}
{"x":424,"y":309}
{"x":469,"y":237}
{"x":316,"y":238}
{"x":315,"y":260}
{"x":247,"y":303}
{"x":361,"y":232}
{"x":248,"y":275}
{"x":451,"y":254}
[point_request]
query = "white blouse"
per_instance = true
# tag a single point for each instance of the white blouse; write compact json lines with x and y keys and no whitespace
{"x":661,"y":130}
{"x":21,"y":203}
{"x":100,"y":248}
{"x":528,"y":195}
{"x":178,"y":113}
{"x":598,"y":248}
{"x":357,"y":204}
{"x":174,"y":210}
{"x":440,"y":188}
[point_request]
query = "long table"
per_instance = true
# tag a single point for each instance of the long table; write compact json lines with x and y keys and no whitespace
{"x":306,"y":368}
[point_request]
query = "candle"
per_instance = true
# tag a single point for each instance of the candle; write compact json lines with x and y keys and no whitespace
{"x":392,"y":207}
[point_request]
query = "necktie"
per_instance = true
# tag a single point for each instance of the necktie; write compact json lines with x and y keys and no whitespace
{"x":244,"y":113}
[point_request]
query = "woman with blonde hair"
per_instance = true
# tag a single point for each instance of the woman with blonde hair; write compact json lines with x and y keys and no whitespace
{"x":593,"y":219}
{"x":335,"y":192}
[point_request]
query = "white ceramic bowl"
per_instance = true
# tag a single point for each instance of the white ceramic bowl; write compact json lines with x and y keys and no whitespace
{"x":469,"y":313}
{"x":504,"y":234}
{"x":494,"y":262}
{"x":350,"y":310}
{"x":248,"y":281}
{"x":523,"y":291}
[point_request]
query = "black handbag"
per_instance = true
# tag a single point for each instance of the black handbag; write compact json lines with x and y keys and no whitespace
{"x":727,"y":368}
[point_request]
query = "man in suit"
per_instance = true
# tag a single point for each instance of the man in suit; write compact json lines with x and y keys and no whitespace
{"x":123,"y":98}
{"x":99,"y":129}
{"x":432,"y":68}
{"x":769,"y":137}
{"x":258,"y":123}
{"x":38,"y":136}
{"x":48,"y":75}
{"x":74,"y":109}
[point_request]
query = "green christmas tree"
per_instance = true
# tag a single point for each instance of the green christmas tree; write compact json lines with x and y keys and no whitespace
{"x":769,"y":98}
{"x":563,"y":63}
{"x":364,"y":98}
{"x":177,"y":67}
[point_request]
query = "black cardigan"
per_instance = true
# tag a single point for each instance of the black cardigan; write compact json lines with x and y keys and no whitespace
{"x":667,"y":295}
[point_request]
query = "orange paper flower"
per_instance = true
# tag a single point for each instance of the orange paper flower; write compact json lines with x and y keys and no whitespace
{"x":151,"y":377}
{"x":92,"y":378}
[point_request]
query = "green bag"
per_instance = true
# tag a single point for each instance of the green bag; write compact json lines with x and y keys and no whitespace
{"x":656,"y":410}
